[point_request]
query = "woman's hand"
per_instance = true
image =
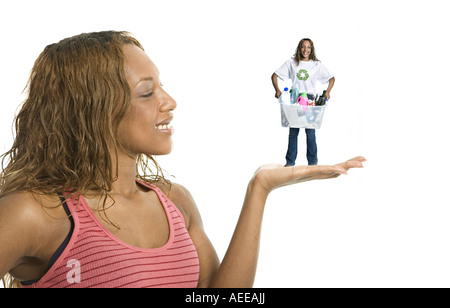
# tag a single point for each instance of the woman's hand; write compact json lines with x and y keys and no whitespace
{"x":272,"y":176}
{"x":238,"y":267}
{"x":277,"y":94}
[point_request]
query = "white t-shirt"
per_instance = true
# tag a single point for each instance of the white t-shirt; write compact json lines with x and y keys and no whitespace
{"x":305,"y":75}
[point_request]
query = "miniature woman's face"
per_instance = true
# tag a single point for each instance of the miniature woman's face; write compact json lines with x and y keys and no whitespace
{"x":305,"y":50}
{"x":146,"y":127}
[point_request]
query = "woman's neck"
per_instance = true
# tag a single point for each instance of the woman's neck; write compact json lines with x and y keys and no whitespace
{"x":125,"y":184}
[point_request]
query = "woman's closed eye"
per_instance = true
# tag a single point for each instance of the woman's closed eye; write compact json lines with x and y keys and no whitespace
{"x":148,"y":94}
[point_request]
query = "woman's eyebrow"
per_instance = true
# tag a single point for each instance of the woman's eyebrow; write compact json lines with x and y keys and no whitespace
{"x":146,"y":79}
{"x":151,"y":79}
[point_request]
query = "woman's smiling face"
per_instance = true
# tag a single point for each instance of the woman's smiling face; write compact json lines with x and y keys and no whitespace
{"x":305,"y":50}
{"x":146,"y":128}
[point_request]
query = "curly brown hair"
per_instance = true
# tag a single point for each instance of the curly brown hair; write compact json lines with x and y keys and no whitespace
{"x":66,"y":128}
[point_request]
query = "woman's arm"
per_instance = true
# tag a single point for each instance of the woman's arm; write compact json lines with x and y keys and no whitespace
{"x":19,"y":232}
{"x":330,"y":86}
{"x":238,"y":267}
{"x":30,"y":233}
{"x":275,"y":85}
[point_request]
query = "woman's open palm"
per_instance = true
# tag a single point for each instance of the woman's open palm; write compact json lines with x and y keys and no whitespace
{"x":272,"y":176}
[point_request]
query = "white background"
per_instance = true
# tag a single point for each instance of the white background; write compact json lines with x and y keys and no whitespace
{"x":386,"y":225}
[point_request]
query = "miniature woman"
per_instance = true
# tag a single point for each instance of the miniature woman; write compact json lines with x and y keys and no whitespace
{"x":304,"y":70}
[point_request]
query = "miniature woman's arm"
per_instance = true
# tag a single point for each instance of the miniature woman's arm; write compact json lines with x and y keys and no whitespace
{"x":330,"y":86}
{"x":275,"y":85}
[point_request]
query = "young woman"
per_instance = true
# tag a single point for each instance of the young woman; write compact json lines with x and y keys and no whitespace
{"x":304,"y":70}
{"x":80,"y":205}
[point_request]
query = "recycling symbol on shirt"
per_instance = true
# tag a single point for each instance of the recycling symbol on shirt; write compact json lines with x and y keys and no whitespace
{"x":302,"y":75}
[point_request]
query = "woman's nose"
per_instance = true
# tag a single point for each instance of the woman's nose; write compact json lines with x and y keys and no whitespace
{"x":167,"y":103}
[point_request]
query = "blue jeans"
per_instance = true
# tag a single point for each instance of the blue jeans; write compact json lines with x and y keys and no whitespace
{"x":311,"y":146}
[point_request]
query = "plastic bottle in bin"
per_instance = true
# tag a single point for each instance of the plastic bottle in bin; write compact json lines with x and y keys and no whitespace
{"x":294,"y":95}
{"x":303,"y":100}
{"x":285,"y":97}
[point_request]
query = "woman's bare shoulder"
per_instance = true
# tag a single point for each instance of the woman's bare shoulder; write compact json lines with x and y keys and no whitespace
{"x":27,"y":202}
{"x":180,"y":192}
{"x":24,"y":226}
{"x":183,"y":200}
{"x":27,"y":210}
{"x":21,"y":204}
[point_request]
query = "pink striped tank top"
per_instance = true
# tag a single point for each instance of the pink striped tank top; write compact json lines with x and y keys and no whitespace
{"x":94,"y":258}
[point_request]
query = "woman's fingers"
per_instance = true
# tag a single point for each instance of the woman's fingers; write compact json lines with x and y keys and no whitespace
{"x":358,"y":159}
{"x":323,"y":170}
{"x":356,"y":162}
